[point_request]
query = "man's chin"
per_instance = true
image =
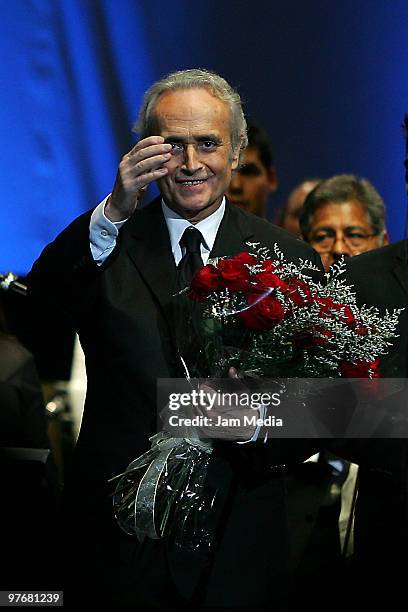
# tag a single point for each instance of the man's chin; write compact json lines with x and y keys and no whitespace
{"x":194,"y":208}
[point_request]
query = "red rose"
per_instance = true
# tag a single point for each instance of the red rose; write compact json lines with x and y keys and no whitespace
{"x":262,"y":314}
{"x":328,"y":308}
{"x":246,"y":258}
{"x":321,"y":337}
{"x":234,"y":275}
{"x":360,"y":369}
{"x":205,"y":281}
{"x":268,"y":280}
{"x":299,"y":292}
{"x":361,"y":330}
{"x":270,"y":265}
{"x":347,"y":315}
{"x":326,"y":305}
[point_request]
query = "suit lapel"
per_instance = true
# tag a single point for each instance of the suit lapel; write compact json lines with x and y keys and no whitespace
{"x":232,"y":234}
{"x":149,"y":249}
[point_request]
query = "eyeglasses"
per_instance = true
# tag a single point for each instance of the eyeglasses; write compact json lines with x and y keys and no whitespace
{"x":324,"y":240}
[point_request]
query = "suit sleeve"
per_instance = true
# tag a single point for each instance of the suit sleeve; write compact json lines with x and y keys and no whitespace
{"x":62,"y":284}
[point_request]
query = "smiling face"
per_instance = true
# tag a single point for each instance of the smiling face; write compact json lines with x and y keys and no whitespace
{"x":197,"y":124}
{"x":251,"y":185}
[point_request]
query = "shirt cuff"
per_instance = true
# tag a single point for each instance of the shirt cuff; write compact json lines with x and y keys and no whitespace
{"x":262,"y":412}
{"x":103,"y":233}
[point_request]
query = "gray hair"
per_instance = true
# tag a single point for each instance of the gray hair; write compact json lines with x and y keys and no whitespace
{"x":343,"y":188}
{"x":195,"y":78}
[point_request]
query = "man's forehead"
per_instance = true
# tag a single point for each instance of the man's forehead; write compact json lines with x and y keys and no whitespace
{"x":181,"y":130}
{"x":252,"y":155}
{"x":190,"y":104}
{"x":350,"y":213}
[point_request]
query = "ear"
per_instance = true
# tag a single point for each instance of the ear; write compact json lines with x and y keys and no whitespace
{"x":386,"y":238}
{"x":235,"y":158}
{"x":272,"y":179}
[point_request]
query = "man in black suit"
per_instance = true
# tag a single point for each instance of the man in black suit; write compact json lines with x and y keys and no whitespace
{"x":380,"y":278}
{"x":117,"y":268}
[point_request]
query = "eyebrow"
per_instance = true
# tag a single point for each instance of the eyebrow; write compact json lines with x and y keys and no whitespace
{"x":203,"y":138}
{"x":250,"y":165}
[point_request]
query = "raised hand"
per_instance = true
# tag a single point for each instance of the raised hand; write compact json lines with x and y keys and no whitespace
{"x":137,"y":169}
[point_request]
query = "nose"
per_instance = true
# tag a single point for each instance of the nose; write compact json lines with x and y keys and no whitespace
{"x":235,"y":186}
{"x":192,"y":161}
{"x":340,"y":247}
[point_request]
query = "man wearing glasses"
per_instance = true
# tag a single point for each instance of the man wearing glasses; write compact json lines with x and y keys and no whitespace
{"x":343,"y":215}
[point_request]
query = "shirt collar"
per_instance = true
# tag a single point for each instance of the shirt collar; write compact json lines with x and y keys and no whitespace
{"x":208,"y":227}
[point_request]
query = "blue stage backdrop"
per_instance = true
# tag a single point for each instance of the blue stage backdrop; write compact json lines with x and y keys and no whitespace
{"x":327,"y":80}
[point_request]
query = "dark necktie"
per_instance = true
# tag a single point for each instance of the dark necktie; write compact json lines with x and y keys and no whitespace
{"x":191,"y":261}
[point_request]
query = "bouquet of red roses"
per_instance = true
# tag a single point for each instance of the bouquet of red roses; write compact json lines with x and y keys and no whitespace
{"x":267,"y":317}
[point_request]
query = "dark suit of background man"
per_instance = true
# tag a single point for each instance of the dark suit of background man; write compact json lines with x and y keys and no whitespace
{"x":380,"y":278}
{"x":119,"y":294}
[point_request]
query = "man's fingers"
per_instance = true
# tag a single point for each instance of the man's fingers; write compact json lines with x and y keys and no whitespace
{"x":144,"y":164}
{"x":137,"y":169}
{"x":147,"y":165}
{"x":149,"y":151}
{"x":146,"y":142}
{"x":145,"y":179}
{"x":134,"y":177}
{"x":132,"y":168}
{"x":239,"y":383}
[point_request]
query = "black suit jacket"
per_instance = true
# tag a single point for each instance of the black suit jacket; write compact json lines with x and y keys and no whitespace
{"x":123,"y":313}
{"x":380,"y":279}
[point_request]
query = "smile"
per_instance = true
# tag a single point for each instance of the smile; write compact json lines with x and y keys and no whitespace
{"x":191,"y":182}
